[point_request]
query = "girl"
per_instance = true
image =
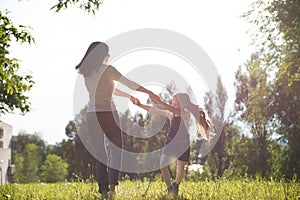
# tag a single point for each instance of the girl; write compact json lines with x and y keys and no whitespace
{"x":177,"y":140}
{"x":102,"y":116}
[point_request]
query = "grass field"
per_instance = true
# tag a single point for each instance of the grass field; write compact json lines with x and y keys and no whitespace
{"x":236,"y":189}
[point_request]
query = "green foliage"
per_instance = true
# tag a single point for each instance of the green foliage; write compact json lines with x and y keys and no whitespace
{"x":81,"y":163}
{"x":27,"y":157}
{"x":28,"y":154}
{"x":244,"y":162}
{"x":13,"y":86}
{"x":34,"y":161}
{"x":277,"y":160}
{"x":218,"y":159}
{"x":276,"y":32}
{"x":54,"y":169}
{"x":18,"y":161}
{"x":90,"y":6}
{"x":30,"y":163}
{"x":20,"y":141}
{"x":252,"y":107}
{"x":128,"y":190}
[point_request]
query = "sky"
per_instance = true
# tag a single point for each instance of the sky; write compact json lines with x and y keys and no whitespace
{"x":62,"y":39}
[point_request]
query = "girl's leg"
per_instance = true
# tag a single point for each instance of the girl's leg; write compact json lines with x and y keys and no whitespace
{"x":165,"y":161}
{"x":179,"y":175}
{"x":166,"y":176}
{"x":180,"y":170}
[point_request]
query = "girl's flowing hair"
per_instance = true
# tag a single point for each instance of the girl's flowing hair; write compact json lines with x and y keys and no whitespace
{"x":204,"y":126}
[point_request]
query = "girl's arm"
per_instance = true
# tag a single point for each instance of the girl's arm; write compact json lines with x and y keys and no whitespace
{"x":145,"y":107}
{"x":168,"y":107}
{"x":158,"y":111}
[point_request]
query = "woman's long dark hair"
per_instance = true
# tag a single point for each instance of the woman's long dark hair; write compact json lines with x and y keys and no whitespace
{"x":87,"y":70}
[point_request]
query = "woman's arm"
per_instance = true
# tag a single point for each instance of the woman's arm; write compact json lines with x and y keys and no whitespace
{"x":117,"y":76}
{"x":134,"y":86}
{"x":120,"y":93}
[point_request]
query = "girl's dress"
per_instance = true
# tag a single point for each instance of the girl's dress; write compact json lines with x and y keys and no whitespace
{"x":177,"y":144}
{"x":177,"y":141}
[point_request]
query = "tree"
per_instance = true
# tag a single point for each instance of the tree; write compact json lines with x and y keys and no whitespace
{"x":278,"y":156}
{"x":54,"y":169}
{"x":252,"y":103}
{"x":18,"y":161}
{"x":20,"y":141}
{"x":245,"y":153}
{"x":28,"y":154}
{"x":219,"y":158}
{"x":276,"y":25}
{"x":81,"y":163}
{"x":91,"y":6}
{"x":243,"y":157}
{"x":30,"y":163}
{"x":13,"y":86}
{"x":23,"y":138}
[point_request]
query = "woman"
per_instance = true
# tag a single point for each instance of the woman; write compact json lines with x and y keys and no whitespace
{"x":177,"y":140}
{"x":102,"y":116}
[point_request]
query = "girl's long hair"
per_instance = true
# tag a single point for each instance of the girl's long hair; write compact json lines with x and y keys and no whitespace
{"x":204,"y":126}
{"x":86,"y":70}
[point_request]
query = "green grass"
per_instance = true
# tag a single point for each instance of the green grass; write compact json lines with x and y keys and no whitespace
{"x":222,"y":189}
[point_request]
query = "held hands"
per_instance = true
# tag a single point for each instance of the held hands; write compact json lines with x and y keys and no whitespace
{"x":154,"y":98}
{"x":135,"y":101}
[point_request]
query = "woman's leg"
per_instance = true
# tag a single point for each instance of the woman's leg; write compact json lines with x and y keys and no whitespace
{"x":110,"y":126}
{"x":97,"y":149}
{"x":102,"y":177}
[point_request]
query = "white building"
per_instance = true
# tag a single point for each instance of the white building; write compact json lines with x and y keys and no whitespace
{"x":5,"y":151}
